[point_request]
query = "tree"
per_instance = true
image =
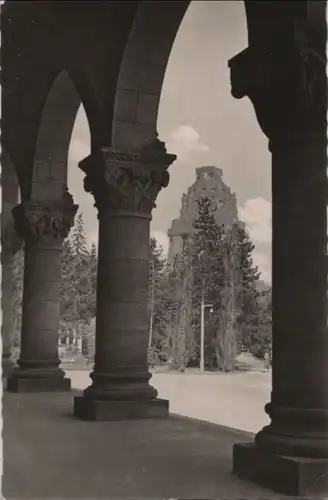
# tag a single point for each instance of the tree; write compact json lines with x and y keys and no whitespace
{"x":78,"y":287}
{"x":156,"y":278}
{"x":211,"y":280}
{"x":180,"y":328}
{"x":225,"y":276}
{"x":18,"y":278}
{"x":78,"y":291}
{"x":258,"y":337}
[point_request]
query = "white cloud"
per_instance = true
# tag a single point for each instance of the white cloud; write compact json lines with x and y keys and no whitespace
{"x":162,"y":240}
{"x":78,"y":150}
{"x":92,"y":237}
{"x":256,"y":213}
{"x":184,"y":141}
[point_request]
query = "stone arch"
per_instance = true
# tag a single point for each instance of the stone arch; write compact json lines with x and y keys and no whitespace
{"x":54,"y":135}
{"x":142,"y":72}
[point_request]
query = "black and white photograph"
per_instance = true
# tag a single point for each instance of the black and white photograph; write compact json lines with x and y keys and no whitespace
{"x":164,"y":263}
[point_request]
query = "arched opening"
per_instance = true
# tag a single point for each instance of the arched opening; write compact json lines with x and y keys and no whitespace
{"x":51,"y":152}
{"x":57,"y":154}
{"x":202,"y":127}
{"x":200,"y":122}
{"x":79,"y":263}
{"x":64,"y":140}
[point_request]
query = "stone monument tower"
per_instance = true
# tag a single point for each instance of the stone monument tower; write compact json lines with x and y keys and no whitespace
{"x":209,"y":183}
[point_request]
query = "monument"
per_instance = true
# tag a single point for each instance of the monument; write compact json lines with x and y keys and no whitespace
{"x":209,"y":183}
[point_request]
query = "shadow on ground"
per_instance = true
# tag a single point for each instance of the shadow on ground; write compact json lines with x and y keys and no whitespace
{"x":50,"y":454}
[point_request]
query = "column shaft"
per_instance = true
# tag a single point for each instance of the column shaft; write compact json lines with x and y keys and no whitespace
{"x":299,"y":402}
{"x":287,"y":84}
{"x":40,"y":314}
{"x":122,"y":322}
{"x":125,"y":186}
{"x":43,"y":227}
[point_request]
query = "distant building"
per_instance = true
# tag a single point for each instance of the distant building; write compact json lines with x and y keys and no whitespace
{"x":209,"y":183}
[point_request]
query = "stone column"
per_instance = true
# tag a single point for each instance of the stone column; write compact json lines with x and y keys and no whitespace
{"x":288,"y":88}
{"x":125,"y":187}
{"x":43,"y":227}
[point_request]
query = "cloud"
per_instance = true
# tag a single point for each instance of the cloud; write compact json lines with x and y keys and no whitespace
{"x":184,"y":141}
{"x":92,"y":237}
{"x":162,"y":240}
{"x":256,"y":213}
{"x":78,"y":150}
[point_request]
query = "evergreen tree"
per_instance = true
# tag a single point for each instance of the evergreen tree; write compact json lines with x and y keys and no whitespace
{"x":209,"y":276}
{"x":78,"y":286}
{"x":257,"y":337}
{"x":250,"y":300}
{"x":157,"y":263}
{"x":67,"y":293}
{"x":225,"y":276}
{"x":18,"y":278}
{"x":180,"y":341}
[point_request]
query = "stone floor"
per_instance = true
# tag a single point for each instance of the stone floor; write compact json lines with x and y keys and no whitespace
{"x":232,"y":399}
{"x":50,"y":454}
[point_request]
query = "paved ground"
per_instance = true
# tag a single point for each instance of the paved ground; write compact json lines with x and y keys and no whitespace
{"x":50,"y":454}
{"x":234,"y":400}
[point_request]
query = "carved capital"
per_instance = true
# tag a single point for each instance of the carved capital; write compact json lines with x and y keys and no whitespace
{"x":123,"y":181}
{"x":38,"y":222}
{"x":287,"y":85}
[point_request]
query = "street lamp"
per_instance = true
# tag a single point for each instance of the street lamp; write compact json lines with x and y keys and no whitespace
{"x":202,"y":330}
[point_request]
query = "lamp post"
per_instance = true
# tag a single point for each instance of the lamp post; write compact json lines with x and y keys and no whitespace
{"x":202,"y":330}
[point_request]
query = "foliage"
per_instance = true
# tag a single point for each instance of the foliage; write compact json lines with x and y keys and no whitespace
{"x":78,"y":288}
{"x":181,"y":343}
{"x":225,"y":276}
{"x":157,"y":299}
{"x":259,"y":337}
{"x":18,"y":275}
{"x":215,"y":264}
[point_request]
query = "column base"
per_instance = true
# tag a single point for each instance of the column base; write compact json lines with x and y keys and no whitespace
{"x":288,"y":475}
{"x":99,"y":410}
{"x":16,"y":384}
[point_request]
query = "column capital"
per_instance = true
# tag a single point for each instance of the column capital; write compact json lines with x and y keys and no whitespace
{"x":287,"y":85}
{"x":44,"y":222}
{"x":123,"y":181}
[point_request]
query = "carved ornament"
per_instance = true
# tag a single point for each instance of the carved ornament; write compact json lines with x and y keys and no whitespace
{"x":129,"y":182}
{"x":51,"y":222}
{"x":287,"y":85}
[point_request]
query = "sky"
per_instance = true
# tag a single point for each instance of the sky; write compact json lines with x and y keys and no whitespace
{"x":203,"y":125}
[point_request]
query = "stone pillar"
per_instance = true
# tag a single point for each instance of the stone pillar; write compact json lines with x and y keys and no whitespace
{"x":125,"y":187}
{"x":43,"y":228}
{"x":288,"y":88}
